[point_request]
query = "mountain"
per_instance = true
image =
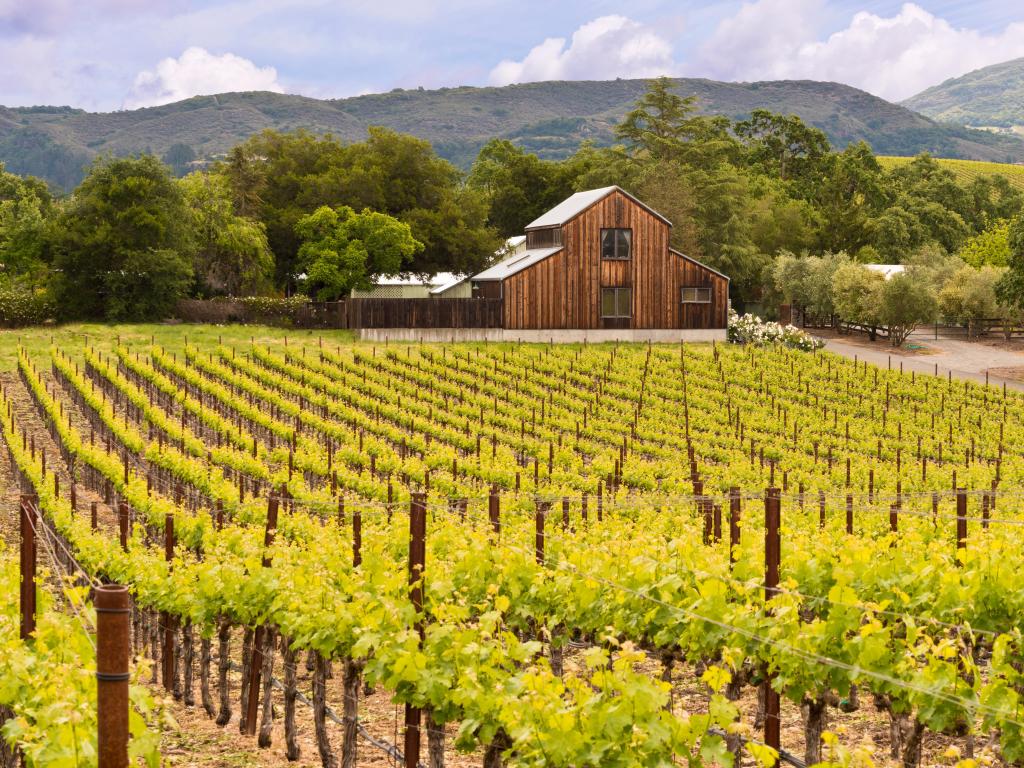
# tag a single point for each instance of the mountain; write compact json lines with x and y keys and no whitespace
{"x":550,"y":118}
{"x":991,"y":97}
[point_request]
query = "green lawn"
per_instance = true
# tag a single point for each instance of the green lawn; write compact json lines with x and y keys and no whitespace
{"x":172,"y":337}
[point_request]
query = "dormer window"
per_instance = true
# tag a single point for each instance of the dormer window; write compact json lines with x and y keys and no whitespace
{"x":616,"y":243}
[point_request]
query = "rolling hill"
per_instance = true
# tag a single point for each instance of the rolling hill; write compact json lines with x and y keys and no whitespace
{"x":991,"y":97}
{"x":550,"y":118}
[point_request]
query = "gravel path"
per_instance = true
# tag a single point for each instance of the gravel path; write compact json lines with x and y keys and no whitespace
{"x":966,"y":359}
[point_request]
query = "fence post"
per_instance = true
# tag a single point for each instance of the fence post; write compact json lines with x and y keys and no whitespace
{"x":849,"y":513}
{"x":494,"y":509}
{"x":961,"y":518}
{"x":122,"y":522}
{"x":772,"y":558}
{"x":168,"y":621}
{"x":734,"y":522}
{"x":417,"y":561}
{"x":539,"y":515}
{"x":252,"y":705}
{"x":113,"y":608}
{"x":357,"y":537}
{"x":28,"y":568}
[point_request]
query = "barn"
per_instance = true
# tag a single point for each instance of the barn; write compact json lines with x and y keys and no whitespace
{"x":601,"y":260}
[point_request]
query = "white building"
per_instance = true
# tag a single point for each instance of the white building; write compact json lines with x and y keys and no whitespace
{"x":443,"y":285}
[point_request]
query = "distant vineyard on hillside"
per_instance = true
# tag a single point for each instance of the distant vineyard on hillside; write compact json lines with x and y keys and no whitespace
{"x":968,"y":170}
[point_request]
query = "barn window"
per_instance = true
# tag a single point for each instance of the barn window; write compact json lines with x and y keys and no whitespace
{"x":616,"y":302}
{"x":615,"y":243}
{"x":695,"y":295}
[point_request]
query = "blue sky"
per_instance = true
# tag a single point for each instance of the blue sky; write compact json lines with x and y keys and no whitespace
{"x":114,"y":54}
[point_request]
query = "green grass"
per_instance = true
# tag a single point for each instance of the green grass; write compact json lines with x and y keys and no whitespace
{"x":967,"y":170}
{"x":172,"y":337}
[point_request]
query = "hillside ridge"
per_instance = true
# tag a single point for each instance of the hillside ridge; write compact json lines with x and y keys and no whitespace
{"x":991,"y":97}
{"x":549,"y":118}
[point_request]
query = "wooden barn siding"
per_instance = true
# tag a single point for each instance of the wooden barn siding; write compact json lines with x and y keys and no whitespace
{"x":713,"y":315}
{"x":564,"y":290}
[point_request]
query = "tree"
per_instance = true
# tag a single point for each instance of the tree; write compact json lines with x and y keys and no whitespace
{"x":1010,"y":288}
{"x":342,"y":250}
{"x":856,"y":295}
{"x":970,"y":295}
{"x":807,"y":281}
{"x":848,"y":198}
{"x":517,"y":186}
{"x":663,"y":126}
{"x":784,"y":146}
{"x":179,"y":157}
{"x":232,"y":255}
{"x":282,"y":177}
{"x":122,"y":247}
{"x":905,"y":303}
{"x":991,"y":246}
{"x":26,"y":210}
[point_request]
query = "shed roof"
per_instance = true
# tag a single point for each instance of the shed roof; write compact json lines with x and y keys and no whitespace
{"x":439,"y":278}
{"x":574,"y":205}
{"x":517,"y":262}
{"x":698,"y":263}
{"x":448,"y":284}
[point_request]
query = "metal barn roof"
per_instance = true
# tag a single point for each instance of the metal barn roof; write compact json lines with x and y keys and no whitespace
{"x":574,"y":205}
{"x":517,"y":262}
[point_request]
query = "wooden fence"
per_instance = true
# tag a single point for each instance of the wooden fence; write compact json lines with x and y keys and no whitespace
{"x":355,"y":313}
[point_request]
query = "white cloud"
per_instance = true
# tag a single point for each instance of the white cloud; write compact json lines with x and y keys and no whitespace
{"x":893,"y":57}
{"x":198,"y":72}
{"x":605,"y":48}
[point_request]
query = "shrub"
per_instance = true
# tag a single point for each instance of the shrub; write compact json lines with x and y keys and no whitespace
{"x":21,"y":306}
{"x":750,"y":329}
{"x":267,"y":310}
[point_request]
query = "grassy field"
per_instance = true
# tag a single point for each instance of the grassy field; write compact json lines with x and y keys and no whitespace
{"x":967,"y":170}
{"x":104,"y":337}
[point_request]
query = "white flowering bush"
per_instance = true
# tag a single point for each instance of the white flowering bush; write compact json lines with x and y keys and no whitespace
{"x":751,"y":329}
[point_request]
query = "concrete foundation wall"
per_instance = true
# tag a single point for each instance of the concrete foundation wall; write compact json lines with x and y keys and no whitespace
{"x":657,"y":336}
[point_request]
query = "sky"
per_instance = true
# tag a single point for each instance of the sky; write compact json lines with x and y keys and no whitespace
{"x":107,"y":55}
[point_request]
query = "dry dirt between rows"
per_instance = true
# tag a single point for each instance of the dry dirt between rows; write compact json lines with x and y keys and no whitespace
{"x":197,"y":741}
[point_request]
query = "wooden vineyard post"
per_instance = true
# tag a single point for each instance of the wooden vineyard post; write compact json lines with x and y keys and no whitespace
{"x":28,"y":568}
{"x":894,"y":519}
{"x":252,"y":704}
{"x":494,"y":510}
{"x":565,"y":514}
{"x":113,"y":608}
{"x":734,"y":522}
{"x":168,"y":621}
{"x":849,"y":513}
{"x":417,"y":561}
{"x":122,"y":522}
{"x":961,"y":518}
{"x":539,"y":515}
{"x":93,"y":521}
{"x":772,"y":557}
{"x":357,"y":537}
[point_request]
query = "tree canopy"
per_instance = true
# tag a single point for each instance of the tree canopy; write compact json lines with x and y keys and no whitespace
{"x":122,"y":247}
{"x":342,"y":249}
